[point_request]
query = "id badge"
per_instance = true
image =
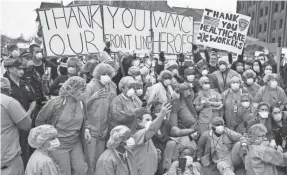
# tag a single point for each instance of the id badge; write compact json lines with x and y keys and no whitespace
{"x":235,"y":108}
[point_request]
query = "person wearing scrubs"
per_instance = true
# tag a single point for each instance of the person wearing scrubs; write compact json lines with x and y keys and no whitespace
{"x":44,"y":139}
{"x":118,"y":158}
{"x":231,"y":101}
{"x":279,"y":119}
{"x":101,"y":91}
{"x":67,"y":113}
{"x":267,"y":71}
{"x":260,"y":159}
{"x":135,"y":72}
{"x":224,"y":74}
{"x":144,"y":149}
{"x":207,"y":103}
{"x":271,"y":93}
{"x":249,"y":86}
{"x":123,"y":106}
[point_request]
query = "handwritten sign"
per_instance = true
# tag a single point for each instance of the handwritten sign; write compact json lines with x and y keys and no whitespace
{"x":72,"y":30}
{"x":172,"y":33}
{"x":225,"y":31}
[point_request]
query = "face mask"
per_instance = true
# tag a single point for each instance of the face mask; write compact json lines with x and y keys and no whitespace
{"x":219,"y":129}
{"x":174,"y":72}
{"x":71,"y":70}
{"x":131,"y":92}
{"x":139,"y":78}
{"x":239,"y":68}
{"x":15,"y":53}
{"x":53,"y":144}
{"x":147,"y":124}
{"x":136,"y":63}
{"x":139,"y":92}
{"x":256,"y":68}
{"x":235,"y":86}
{"x":204,"y":72}
{"x":206,"y":86}
{"x":167,"y":82}
{"x":105,"y":79}
{"x":277,"y":117}
{"x":190,"y":78}
{"x":222,"y":68}
{"x":267,"y":72}
{"x":263,"y":114}
{"x":130,"y":142}
{"x":39,"y":56}
{"x":189,"y":161}
{"x":245,"y":104}
{"x":30,"y":63}
{"x":273,"y":84}
{"x":249,"y":81}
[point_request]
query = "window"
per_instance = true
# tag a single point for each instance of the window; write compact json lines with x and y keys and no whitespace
{"x":260,"y":27}
{"x":279,"y":41}
{"x":266,"y":11}
{"x":281,"y":23}
{"x":282,"y":5}
{"x":265,"y":27}
{"x":261,"y":12}
{"x":273,"y":40}
{"x":274,"y":25}
{"x":276,"y":8}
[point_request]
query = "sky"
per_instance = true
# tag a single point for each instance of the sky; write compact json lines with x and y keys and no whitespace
{"x":18,"y":16}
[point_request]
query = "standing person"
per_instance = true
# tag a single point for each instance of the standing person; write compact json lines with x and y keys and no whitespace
{"x":44,"y":139}
{"x":118,"y":158}
{"x":262,"y":160}
{"x":279,"y":119}
{"x":267,"y":71}
{"x":68,"y":114}
{"x":101,"y":91}
{"x":257,"y":68}
{"x":13,"y":51}
{"x":249,"y":86}
{"x":23,"y":92}
{"x":13,"y":117}
{"x":108,"y":47}
{"x":223,"y":75}
{"x":213,"y":62}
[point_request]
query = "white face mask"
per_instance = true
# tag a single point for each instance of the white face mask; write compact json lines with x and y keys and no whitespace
{"x":105,"y":79}
{"x":222,"y":67}
{"x":15,"y":53}
{"x":53,"y":144}
{"x":139,"y":78}
{"x":249,"y":81}
{"x":174,"y":72}
{"x":245,"y":104}
{"x":147,"y":124}
{"x":139,"y":92}
{"x":39,"y":56}
{"x":264,"y":114}
{"x":190,"y":78}
{"x":189,"y":161}
{"x":219,"y":129}
{"x":130,"y":142}
{"x":267,"y":72}
{"x":167,"y":82}
{"x":131,"y":92}
{"x":136,"y":63}
{"x":204,"y":72}
{"x":277,"y":117}
{"x":273,"y":84}
{"x":206,"y":86}
{"x":235,"y":86}
{"x":72,"y":70}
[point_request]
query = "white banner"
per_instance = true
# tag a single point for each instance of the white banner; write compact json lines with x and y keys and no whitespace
{"x":127,"y":29}
{"x":225,"y":31}
{"x":72,"y":30}
{"x":172,"y":33}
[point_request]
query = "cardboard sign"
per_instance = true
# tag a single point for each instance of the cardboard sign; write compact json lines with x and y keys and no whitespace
{"x":127,"y":29}
{"x":72,"y":30}
{"x":225,"y":31}
{"x":172,"y":33}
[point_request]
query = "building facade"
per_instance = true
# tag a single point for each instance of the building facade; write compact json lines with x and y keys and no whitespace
{"x":268,"y":20}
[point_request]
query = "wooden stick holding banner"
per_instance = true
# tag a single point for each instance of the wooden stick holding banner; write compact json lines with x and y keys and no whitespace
{"x":278,"y":55}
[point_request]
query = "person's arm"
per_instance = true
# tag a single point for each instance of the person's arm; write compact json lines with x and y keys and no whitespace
{"x":198,"y":108}
{"x":206,"y":55}
{"x":31,"y":107}
{"x":106,"y":168}
{"x":117,"y":112}
{"x":258,"y":96}
{"x":45,"y":113}
{"x":216,"y":104}
{"x":201,"y":144}
{"x":176,"y":132}
{"x":48,"y":168}
{"x":45,"y":87}
{"x":234,"y":136}
{"x":172,"y":169}
{"x":282,"y":98}
{"x":273,"y":157}
{"x":189,"y":104}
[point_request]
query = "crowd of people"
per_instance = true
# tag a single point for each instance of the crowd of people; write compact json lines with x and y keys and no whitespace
{"x":130,"y":115}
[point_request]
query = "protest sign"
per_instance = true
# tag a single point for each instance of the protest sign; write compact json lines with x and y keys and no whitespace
{"x":127,"y":29}
{"x":72,"y":30}
{"x":172,"y":33}
{"x":222,"y":30}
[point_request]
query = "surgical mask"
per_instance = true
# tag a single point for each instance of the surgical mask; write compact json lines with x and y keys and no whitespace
{"x":267,"y":72}
{"x":136,"y":63}
{"x":190,"y":78}
{"x":222,"y":67}
{"x":273,"y":84}
{"x":167,"y":82}
{"x":174,"y":72}
{"x":235,"y":86}
{"x":264,"y":114}
{"x":105,"y":79}
{"x":219,"y":129}
{"x":72,"y":70}
{"x":130,"y":142}
{"x":239,"y":68}
{"x":277,"y":117}
{"x":245,"y":104}
{"x":249,"y":81}
{"x":30,"y":63}
{"x":53,"y":144}
{"x":139,"y":78}
{"x":204,"y":72}
{"x":39,"y":56}
{"x":139,"y":92}
{"x":15,"y":53}
{"x":189,"y":161}
{"x":131,"y":92}
{"x":147,"y":124}
{"x":206,"y":86}
{"x":256,"y":68}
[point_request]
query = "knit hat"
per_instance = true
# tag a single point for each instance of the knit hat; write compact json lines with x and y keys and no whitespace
{"x":217,"y":121}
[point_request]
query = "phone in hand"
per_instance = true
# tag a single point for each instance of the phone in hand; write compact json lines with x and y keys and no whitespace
{"x":182,"y":164}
